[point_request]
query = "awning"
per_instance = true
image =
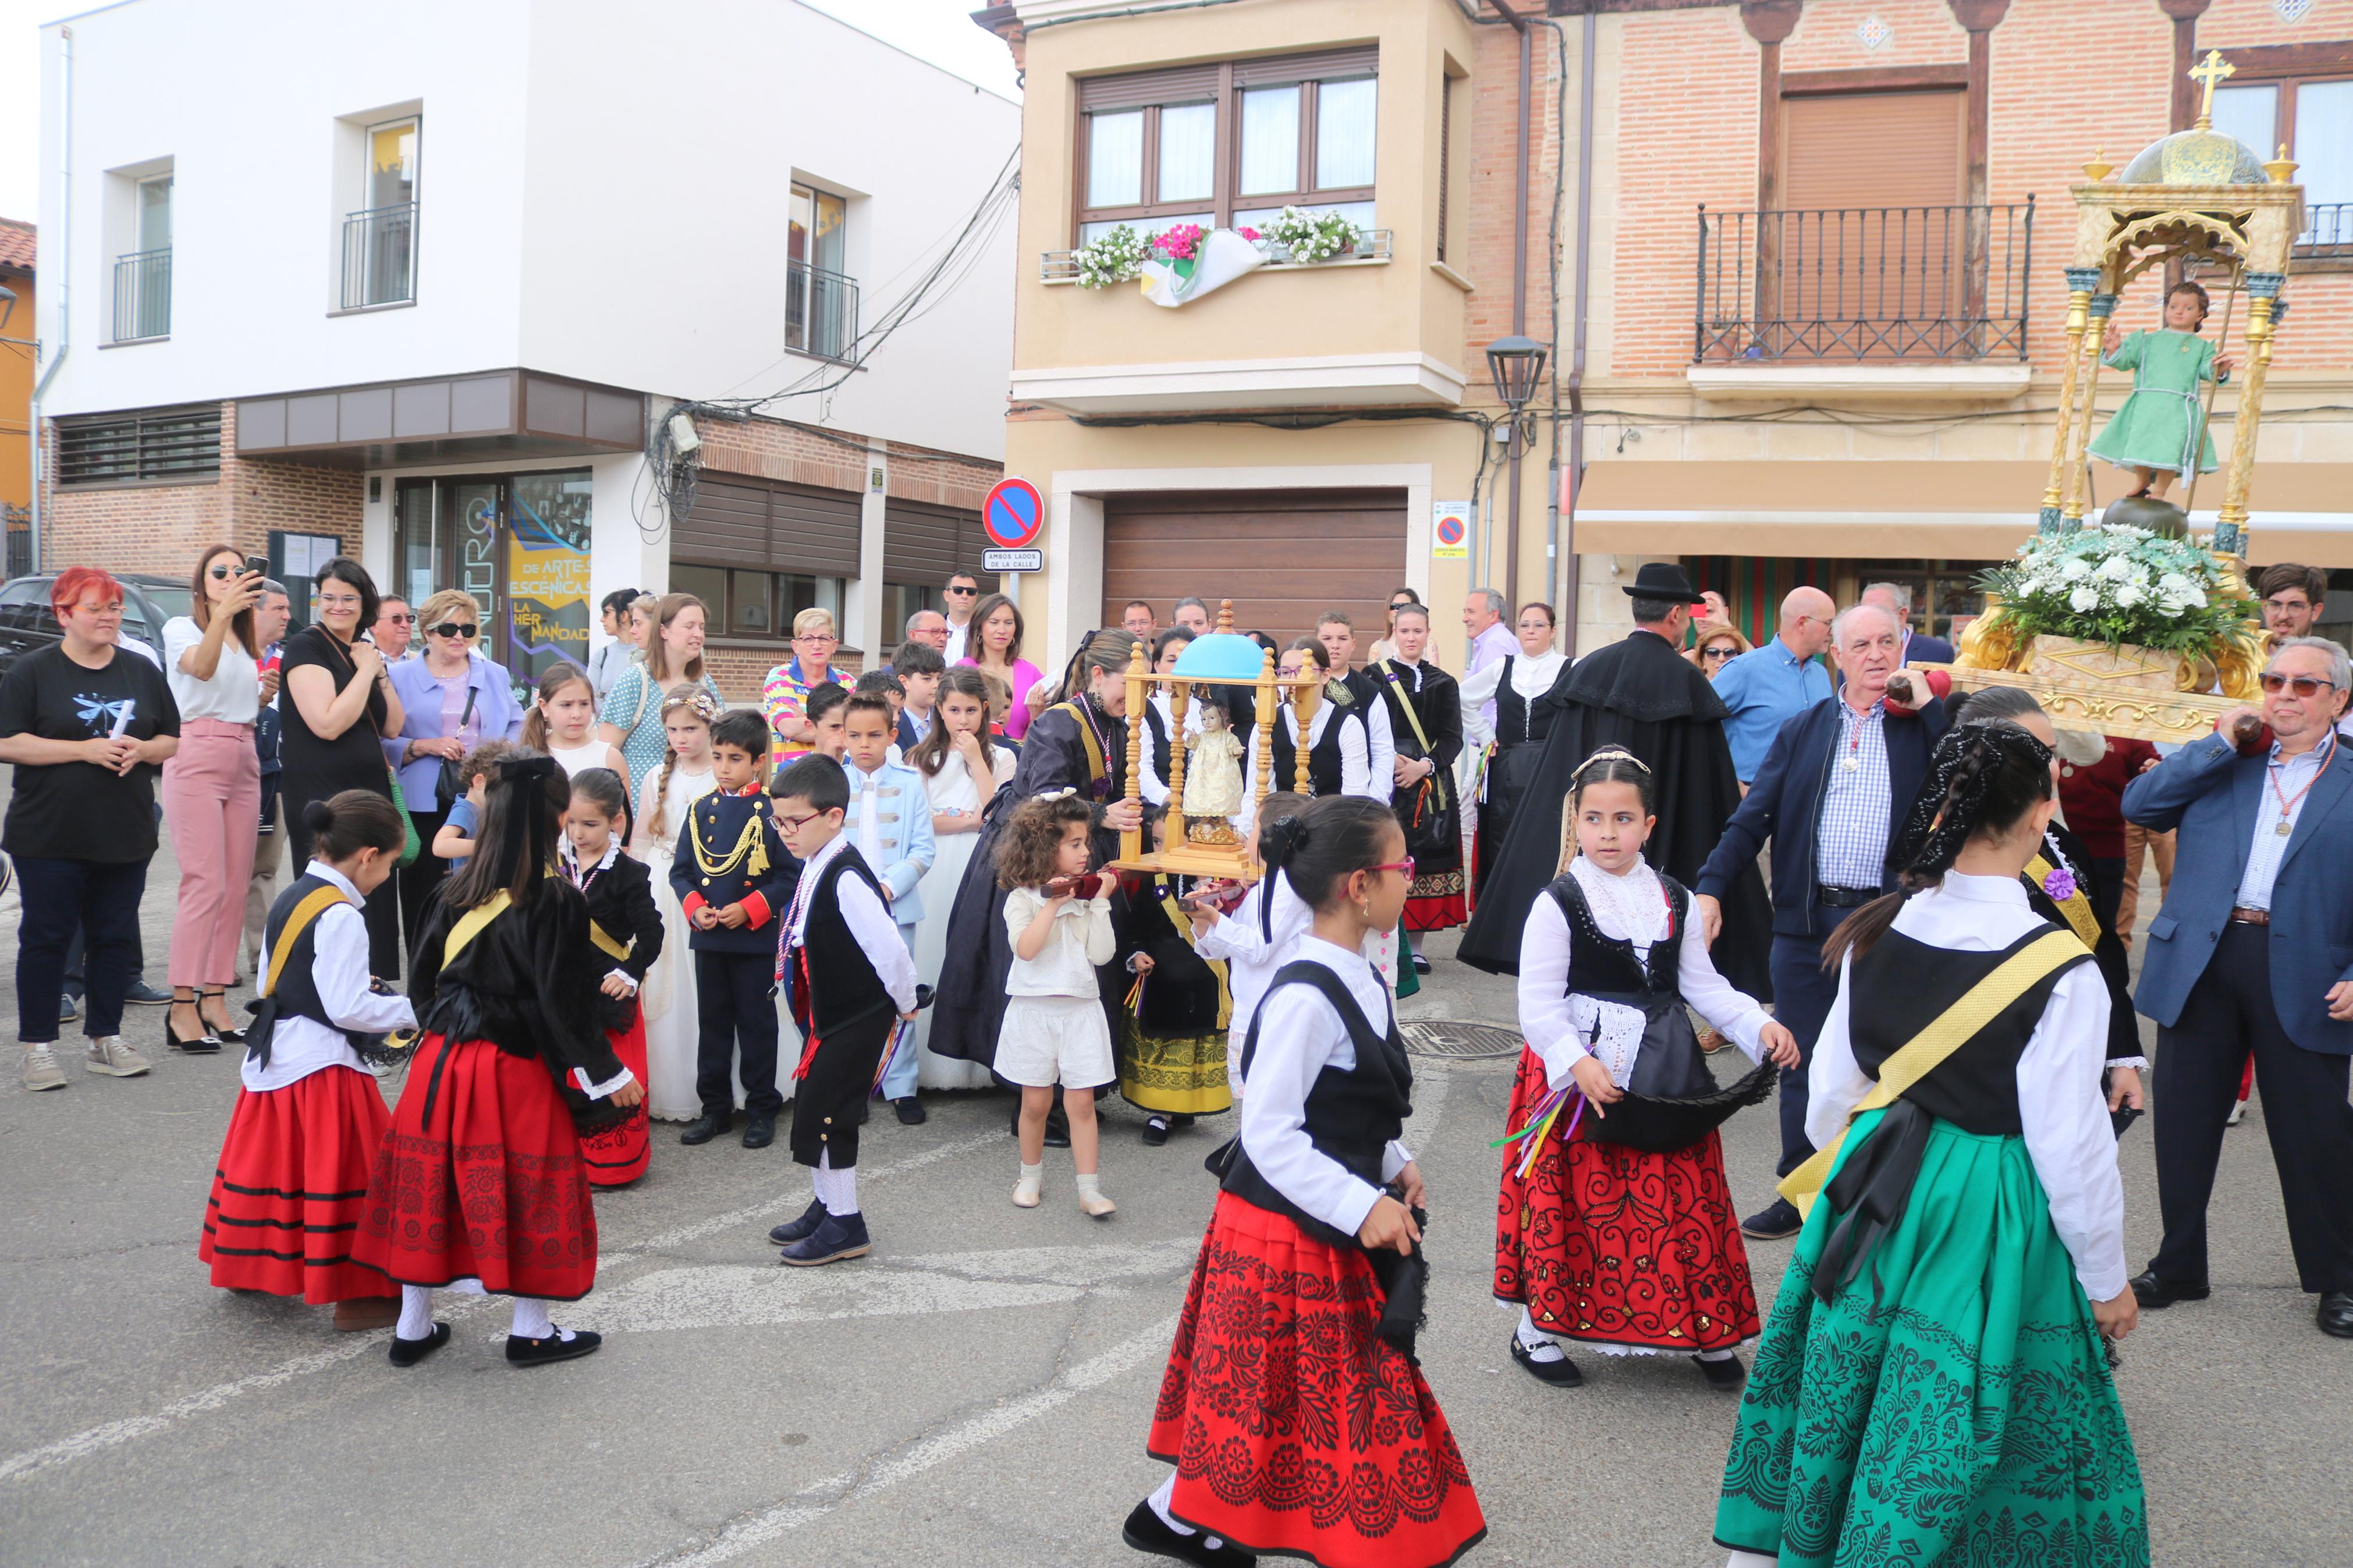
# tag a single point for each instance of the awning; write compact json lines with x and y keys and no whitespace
{"x":1952,"y":510}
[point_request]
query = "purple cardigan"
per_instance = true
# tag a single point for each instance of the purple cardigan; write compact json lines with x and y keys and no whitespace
{"x":495,"y":710}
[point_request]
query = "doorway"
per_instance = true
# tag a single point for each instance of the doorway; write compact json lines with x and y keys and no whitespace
{"x":518,"y":545}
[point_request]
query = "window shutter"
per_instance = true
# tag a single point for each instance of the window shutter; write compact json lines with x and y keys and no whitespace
{"x":1324,"y":65}
{"x":922,"y":545}
{"x":1872,"y":150}
{"x":1445,"y":154}
{"x":1186,"y":84}
{"x":778,"y":528}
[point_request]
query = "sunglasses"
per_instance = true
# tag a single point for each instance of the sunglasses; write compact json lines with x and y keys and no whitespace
{"x":454,"y":629}
{"x":223,"y":573}
{"x":398,"y":620}
{"x":1715,"y":653}
{"x":1402,"y":867}
{"x":2302,"y":685}
{"x":964,"y":592}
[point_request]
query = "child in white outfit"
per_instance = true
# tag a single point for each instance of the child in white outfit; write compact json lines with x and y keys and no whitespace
{"x":1055,"y":1030}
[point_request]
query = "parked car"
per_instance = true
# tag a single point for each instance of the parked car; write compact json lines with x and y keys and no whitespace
{"x":25,"y":622}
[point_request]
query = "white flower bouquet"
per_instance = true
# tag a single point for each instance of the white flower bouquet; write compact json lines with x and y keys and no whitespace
{"x":1115,"y":255}
{"x":1312,"y":236}
{"x":2120,"y":586}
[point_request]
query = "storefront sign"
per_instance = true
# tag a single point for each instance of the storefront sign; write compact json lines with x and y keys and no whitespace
{"x":1449,"y":531}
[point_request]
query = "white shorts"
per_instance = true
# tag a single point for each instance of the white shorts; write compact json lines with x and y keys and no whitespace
{"x":1047,"y":1040}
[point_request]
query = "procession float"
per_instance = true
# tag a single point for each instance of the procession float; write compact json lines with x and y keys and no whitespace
{"x":2129,"y":625}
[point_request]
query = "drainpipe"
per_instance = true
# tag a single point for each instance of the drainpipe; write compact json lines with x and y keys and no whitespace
{"x":1576,"y":474}
{"x":65,"y":278}
{"x":1519,"y":302}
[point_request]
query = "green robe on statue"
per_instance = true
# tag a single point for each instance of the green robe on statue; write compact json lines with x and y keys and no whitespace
{"x":2163,"y":423}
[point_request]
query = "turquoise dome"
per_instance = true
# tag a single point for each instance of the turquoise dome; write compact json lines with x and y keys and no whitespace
{"x":1221,"y":655}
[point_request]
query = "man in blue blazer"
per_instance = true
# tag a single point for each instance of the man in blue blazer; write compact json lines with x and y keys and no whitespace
{"x":890,"y":820}
{"x":2253,"y":953}
{"x":1830,"y":795}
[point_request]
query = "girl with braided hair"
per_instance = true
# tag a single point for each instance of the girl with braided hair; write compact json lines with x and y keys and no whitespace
{"x":1933,"y":1372}
{"x":1620,"y":1232}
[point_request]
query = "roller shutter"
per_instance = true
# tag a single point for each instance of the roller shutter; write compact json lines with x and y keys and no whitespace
{"x":1283,"y":556}
{"x":780,"y":528}
{"x":924,"y":545}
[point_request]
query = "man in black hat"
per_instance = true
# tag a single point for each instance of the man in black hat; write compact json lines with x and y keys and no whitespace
{"x":1642,"y":694}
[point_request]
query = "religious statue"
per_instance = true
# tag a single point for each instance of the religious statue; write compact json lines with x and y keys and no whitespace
{"x":1213,"y":778}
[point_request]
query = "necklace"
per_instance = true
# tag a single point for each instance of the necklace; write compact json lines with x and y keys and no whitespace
{"x":2287,"y":802}
{"x":1853,"y":760}
{"x":1100,"y":788}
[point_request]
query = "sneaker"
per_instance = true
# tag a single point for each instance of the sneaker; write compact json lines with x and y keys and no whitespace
{"x":147,"y":995}
{"x":69,"y":1007}
{"x":1777,"y":1222}
{"x":41,"y":1069}
{"x":110,"y":1056}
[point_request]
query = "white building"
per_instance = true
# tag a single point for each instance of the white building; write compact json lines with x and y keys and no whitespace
{"x":426,"y":288}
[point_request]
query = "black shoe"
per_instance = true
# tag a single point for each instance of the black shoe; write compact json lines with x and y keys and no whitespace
{"x":865,"y":1112}
{"x":1147,"y":1532}
{"x":912,"y":1113}
{"x":556,"y":1347}
{"x":1420,"y":965}
{"x":794,"y":1230}
{"x":2155,"y":1295}
{"x":759,"y":1131}
{"x":1776,"y":1222}
{"x":1180,"y":1121}
{"x":837,"y":1237}
{"x":204,"y":1044}
{"x":408,"y":1352}
{"x":146,"y":995}
{"x":706,"y":1127}
{"x":226,"y":1033}
{"x":1727,"y":1372}
{"x":2336,"y":1314}
{"x":1561,"y":1374}
{"x":1058,"y":1128}
{"x":1156,"y":1131}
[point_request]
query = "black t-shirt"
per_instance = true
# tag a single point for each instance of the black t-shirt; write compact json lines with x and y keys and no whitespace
{"x":79,"y":811}
{"x":316,"y":767}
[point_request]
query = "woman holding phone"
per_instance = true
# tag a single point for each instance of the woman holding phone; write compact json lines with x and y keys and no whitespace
{"x":212,"y":790}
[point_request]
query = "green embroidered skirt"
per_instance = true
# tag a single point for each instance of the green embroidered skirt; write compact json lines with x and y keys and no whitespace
{"x":1968,"y":1416}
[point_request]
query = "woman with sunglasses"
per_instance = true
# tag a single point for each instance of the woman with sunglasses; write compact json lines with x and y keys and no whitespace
{"x":451,"y":698}
{"x":785,"y":694}
{"x":211,"y":791}
{"x":1716,"y":643}
{"x":339,"y":710}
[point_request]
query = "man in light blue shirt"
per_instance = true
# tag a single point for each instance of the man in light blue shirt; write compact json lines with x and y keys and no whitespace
{"x":1777,"y":680}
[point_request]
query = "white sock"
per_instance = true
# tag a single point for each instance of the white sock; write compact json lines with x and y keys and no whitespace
{"x":416,"y":1313}
{"x":469,"y":1286}
{"x":840,"y":1192}
{"x":1090,"y":1183}
{"x":531,"y":1321}
{"x":1160,"y":1499}
{"x":1034,"y":1174}
{"x":1715,"y":1355}
{"x":1537,"y":1342}
{"x":1750,"y":1559}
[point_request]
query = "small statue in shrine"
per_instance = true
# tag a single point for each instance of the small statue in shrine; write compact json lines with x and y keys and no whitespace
{"x":1213,"y":776}
{"x":2160,"y":431}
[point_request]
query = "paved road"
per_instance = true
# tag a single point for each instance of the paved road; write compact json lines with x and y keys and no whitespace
{"x":975,"y":1392}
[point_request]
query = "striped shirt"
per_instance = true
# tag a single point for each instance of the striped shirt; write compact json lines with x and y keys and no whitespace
{"x":1851,"y":844}
{"x":2287,"y":779}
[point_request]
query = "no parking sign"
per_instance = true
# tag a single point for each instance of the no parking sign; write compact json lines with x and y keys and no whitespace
{"x":1449,"y":531}
{"x":1013,"y":516}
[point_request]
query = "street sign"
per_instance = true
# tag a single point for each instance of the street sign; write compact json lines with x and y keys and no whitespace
{"x":1013,"y":515}
{"x":1012,"y":559}
{"x":1449,"y":531}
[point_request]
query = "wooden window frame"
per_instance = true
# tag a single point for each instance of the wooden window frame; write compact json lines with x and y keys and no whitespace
{"x":2288,"y":67}
{"x":1188,"y":85}
{"x":1445,"y":156}
{"x":781,"y":633}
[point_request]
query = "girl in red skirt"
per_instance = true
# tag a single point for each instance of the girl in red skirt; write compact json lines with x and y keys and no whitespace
{"x":1633,"y":1250}
{"x":286,"y":1193}
{"x":479,"y":1186}
{"x":1292,"y":1408}
{"x":625,"y":933}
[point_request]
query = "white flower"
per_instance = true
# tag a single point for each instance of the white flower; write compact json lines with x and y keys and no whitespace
{"x":2131,"y":593}
{"x":2084,"y":598}
{"x":2074,"y":568}
{"x":2115,"y":569}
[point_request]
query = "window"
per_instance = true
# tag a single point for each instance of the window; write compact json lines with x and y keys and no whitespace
{"x":754,"y":604}
{"x":380,"y":239}
{"x":1225,"y":145}
{"x":1445,"y":155}
{"x":163,"y":444}
{"x":142,"y":279}
{"x":2313,"y":118}
{"x":821,"y":300}
{"x":901,"y":600}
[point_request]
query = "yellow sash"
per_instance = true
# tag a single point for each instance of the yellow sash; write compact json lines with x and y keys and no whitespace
{"x":1096,"y":772}
{"x":314,"y":903}
{"x":1184,"y":928}
{"x":1979,"y":1006}
{"x":470,"y":925}
{"x":2076,"y":911}
{"x":605,"y":940}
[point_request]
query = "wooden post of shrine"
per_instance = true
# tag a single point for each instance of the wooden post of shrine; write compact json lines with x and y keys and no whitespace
{"x":2081,"y":281}
{"x":1131,"y":840}
{"x":1179,"y":697}
{"x":1302,"y":705}
{"x":1266,"y":692}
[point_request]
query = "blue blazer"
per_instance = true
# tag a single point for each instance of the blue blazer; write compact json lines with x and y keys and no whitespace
{"x":1784,"y":803}
{"x":2214,"y":796}
{"x":904,"y":852}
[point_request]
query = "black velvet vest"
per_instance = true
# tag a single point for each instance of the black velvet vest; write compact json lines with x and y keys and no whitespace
{"x":1903,"y":984}
{"x":1322,"y":758}
{"x":843,"y":987}
{"x":1602,"y":966}
{"x":1517,"y":723}
{"x":296,"y":993}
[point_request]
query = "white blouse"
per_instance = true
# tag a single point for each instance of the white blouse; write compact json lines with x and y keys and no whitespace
{"x":1556,"y":1028}
{"x":339,"y":971}
{"x":869,"y":921}
{"x":1531,"y":678}
{"x":234,"y":694}
{"x":1300,"y":1035}
{"x":686,"y":787}
{"x":1080,"y":942}
{"x":2065,"y":1117}
{"x":952,"y":788}
{"x":1355,"y":764}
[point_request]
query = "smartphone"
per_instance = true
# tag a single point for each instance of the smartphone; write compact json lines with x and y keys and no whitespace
{"x":258,"y":566}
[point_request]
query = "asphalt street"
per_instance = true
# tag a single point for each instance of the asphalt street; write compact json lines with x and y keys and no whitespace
{"x":976,"y":1392}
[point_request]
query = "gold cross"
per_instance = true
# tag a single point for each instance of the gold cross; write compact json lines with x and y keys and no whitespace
{"x":2211,"y":73}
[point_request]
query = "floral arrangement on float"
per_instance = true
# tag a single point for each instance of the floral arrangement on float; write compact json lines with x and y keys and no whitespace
{"x":2116,"y":606}
{"x":1184,"y":261}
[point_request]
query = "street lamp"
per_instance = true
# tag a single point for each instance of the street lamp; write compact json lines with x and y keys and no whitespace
{"x":1516,"y":364}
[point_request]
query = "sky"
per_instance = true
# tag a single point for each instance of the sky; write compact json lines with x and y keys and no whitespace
{"x":940,"y":31}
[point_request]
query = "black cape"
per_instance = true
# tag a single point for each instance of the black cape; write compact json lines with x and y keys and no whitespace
{"x":1642,"y":695}
{"x":968,"y":1004}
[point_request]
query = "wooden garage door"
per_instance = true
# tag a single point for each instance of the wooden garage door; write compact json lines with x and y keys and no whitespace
{"x":1284,"y":557}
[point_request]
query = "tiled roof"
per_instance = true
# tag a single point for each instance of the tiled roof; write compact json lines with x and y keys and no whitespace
{"x":18,"y":245}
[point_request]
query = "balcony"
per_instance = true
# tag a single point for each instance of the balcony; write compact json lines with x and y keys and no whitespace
{"x":142,"y":296}
{"x":820,"y":312}
{"x":2328,"y":232}
{"x":380,"y":256}
{"x":1063,"y":267}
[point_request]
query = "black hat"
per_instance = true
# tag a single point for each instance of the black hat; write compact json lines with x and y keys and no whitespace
{"x":1663,"y":580}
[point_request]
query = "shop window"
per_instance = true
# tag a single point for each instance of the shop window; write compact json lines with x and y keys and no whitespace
{"x":756,"y":605}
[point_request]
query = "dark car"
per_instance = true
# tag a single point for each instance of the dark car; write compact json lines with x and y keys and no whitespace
{"x":26,"y":622}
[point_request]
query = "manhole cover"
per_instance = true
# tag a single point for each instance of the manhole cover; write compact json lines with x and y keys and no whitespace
{"x":1450,"y":1037}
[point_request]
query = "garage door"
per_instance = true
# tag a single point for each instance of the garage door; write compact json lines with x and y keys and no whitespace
{"x":1284,"y":557}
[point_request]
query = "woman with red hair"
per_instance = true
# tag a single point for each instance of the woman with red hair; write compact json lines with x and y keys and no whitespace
{"x":86,"y":730}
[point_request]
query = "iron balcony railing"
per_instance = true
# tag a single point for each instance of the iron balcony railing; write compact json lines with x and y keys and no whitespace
{"x":1863,"y":283}
{"x":143,"y":295}
{"x":380,"y":256}
{"x":2328,"y":232}
{"x":1063,"y":267}
{"x":820,"y":312}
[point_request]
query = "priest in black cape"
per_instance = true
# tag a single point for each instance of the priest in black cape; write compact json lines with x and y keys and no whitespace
{"x":1642,"y":694}
{"x":1079,"y":743}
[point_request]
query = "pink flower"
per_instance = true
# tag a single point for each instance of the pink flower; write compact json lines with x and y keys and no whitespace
{"x":1179,"y":242}
{"x":1249,"y":234}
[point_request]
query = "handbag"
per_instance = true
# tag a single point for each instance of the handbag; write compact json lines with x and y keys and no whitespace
{"x":446,"y":786}
{"x":1431,"y":817}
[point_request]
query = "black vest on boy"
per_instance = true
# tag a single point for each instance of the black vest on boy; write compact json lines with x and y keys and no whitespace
{"x":1324,"y":769}
{"x":843,"y":988}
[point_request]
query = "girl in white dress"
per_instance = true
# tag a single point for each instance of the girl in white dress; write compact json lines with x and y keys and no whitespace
{"x":667,"y":999}
{"x":563,"y":723}
{"x":952,"y":758}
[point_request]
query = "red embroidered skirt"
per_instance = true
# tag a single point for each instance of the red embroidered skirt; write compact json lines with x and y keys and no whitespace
{"x":1619,"y":1246}
{"x":1294,"y":1427}
{"x":487,"y":1184}
{"x":288,"y":1190}
{"x":618,"y":1154}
